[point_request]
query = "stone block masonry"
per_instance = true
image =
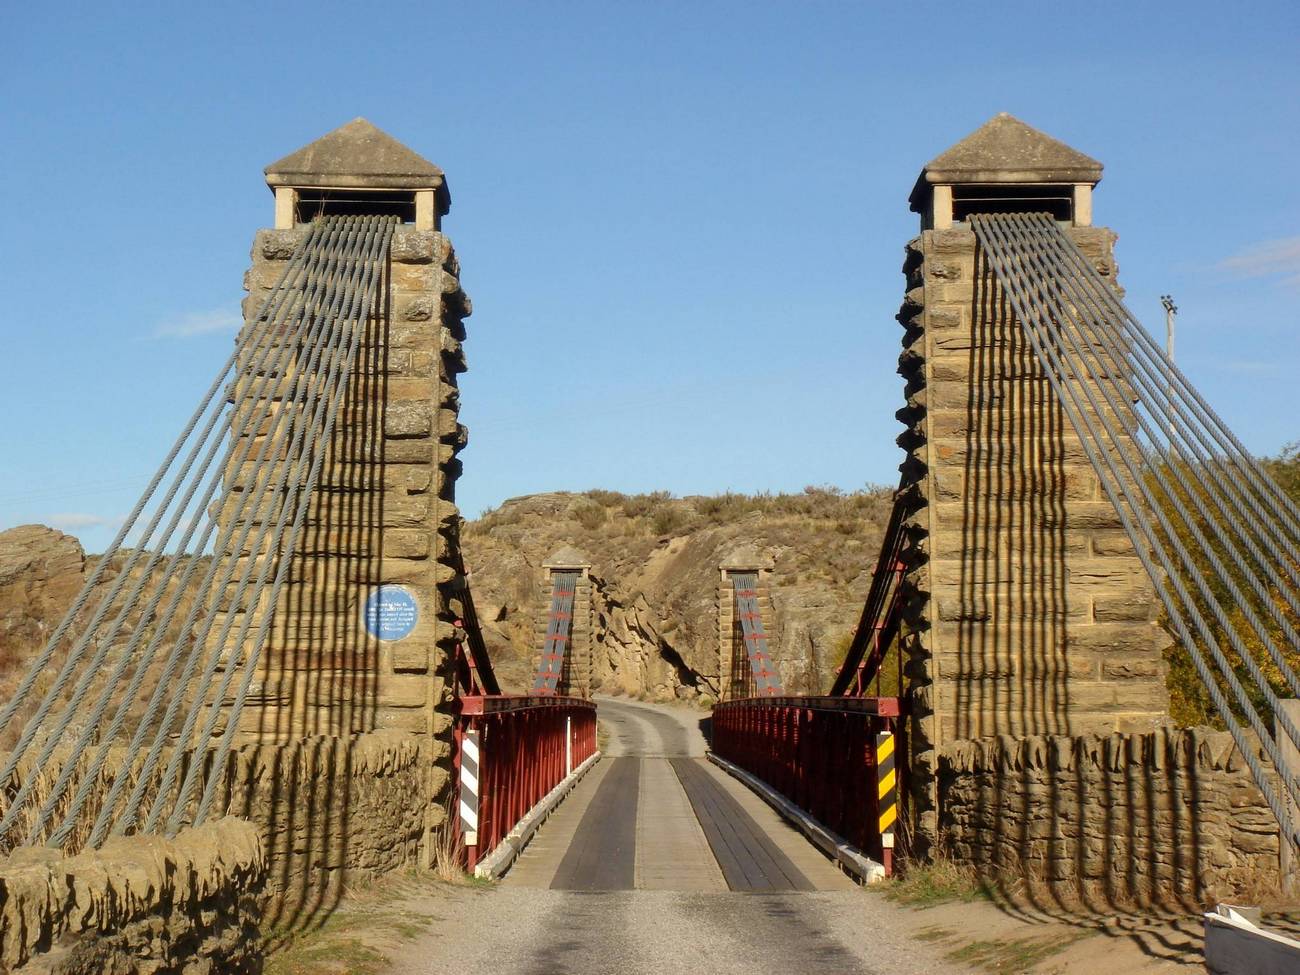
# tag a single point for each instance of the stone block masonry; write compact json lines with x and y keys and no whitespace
{"x":1098,"y":821}
{"x":383,"y":514}
{"x":1028,"y":611}
{"x":575,"y":674}
{"x":305,"y":820}
{"x":735,"y":676}
{"x":333,"y":812}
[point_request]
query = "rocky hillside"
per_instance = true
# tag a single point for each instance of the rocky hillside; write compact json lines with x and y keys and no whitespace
{"x":41,"y":572}
{"x":655,"y":572}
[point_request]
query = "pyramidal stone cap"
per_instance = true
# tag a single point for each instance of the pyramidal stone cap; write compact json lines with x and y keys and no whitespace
{"x":359,"y":156}
{"x":567,"y":557}
{"x":747,"y":558}
{"x":1005,"y":150}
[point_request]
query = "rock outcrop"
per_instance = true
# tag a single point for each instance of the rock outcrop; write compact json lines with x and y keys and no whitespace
{"x":655,"y":580}
{"x":41,"y":572}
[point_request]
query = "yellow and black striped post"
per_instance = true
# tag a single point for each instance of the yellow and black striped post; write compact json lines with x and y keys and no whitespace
{"x":887,"y":797}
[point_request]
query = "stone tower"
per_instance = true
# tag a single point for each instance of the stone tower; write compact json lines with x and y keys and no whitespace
{"x":1030,"y":612}
{"x":735,"y":675}
{"x":362,"y":637}
{"x":575,"y":679}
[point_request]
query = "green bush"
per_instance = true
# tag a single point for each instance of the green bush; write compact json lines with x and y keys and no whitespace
{"x":1190,"y":702}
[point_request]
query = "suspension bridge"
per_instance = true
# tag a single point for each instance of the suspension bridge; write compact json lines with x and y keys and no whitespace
{"x":274,"y":680}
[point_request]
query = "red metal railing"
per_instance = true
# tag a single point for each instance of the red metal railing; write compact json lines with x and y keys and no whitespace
{"x":821,"y":754}
{"x":510,"y":752}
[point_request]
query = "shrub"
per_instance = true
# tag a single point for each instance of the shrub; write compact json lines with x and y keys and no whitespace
{"x":730,"y":506}
{"x":639,"y":505}
{"x":667,"y":519}
{"x":589,"y":516}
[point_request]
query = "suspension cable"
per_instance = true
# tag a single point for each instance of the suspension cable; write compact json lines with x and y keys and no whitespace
{"x":242,"y":476}
{"x":1027,"y":274}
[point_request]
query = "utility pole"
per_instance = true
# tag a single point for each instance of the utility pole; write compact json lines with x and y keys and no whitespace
{"x":1171,"y":313}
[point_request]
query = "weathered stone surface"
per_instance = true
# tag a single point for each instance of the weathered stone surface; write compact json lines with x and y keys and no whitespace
{"x":277,"y":245}
{"x":41,"y":572}
{"x":1028,"y":611}
{"x":412,"y":246}
{"x":355,"y":154}
{"x":410,"y":419}
{"x":188,"y":905}
{"x":1166,"y":817}
{"x":332,"y":811}
{"x":419,"y":308}
{"x":383,"y":511}
{"x":416,"y":278}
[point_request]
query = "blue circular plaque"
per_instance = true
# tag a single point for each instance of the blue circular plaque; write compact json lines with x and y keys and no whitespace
{"x":391,"y":613}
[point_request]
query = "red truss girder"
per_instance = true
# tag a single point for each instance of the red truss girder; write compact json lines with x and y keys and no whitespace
{"x":820,"y":753}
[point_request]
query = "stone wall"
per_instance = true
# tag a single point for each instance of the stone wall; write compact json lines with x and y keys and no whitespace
{"x":332,"y":812}
{"x":1028,"y":611}
{"x":1107,"y":820}
{"x":140,"y":904}
{"x":304,"y":821}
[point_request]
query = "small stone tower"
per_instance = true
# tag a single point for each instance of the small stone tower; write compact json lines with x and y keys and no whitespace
{"x":575,"y":676}
{"x":735,"y":675}
{"x":1029,"y":610}
{"x":362,"y":637}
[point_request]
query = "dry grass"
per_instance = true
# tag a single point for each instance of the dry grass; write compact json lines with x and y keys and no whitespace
{"x":448,"y":851}
{"x":373,"y":917}
{"x":28,"y":829}
{"x":658,"y":512}
{"x":1000,"y":955}
{"x":939,"y":881}
{"x":590,"y":516}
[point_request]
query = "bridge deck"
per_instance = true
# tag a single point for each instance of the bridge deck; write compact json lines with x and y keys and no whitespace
{"x":658,"y":862}
{"x":655,"y":815}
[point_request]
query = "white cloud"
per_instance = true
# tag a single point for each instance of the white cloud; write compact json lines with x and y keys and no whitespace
{"x":200,"y":323}
{"x":77,"y":520}
{"x":1270,"y":258}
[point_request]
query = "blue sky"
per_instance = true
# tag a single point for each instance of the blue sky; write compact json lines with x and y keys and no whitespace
{"x":681,"y":223}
